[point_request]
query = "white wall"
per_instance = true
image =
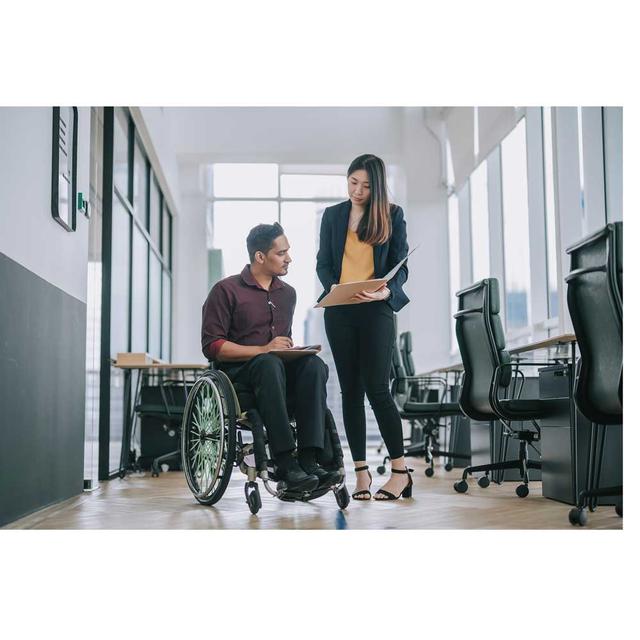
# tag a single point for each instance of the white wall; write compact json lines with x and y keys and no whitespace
{"x":427,"y":315}
{"x":28,"y":233}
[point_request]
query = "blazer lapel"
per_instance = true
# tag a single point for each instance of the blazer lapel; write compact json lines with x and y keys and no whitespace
{"x":342,"y":224}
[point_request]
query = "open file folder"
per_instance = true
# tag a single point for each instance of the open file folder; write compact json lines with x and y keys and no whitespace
{"x":342,"y":293}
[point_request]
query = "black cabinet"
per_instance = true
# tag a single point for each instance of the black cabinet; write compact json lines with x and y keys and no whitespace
{"x":565,"y":446}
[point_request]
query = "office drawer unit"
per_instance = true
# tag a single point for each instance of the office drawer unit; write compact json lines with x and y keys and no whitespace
{"x":565,"y":451}
{"x":459,"y":439}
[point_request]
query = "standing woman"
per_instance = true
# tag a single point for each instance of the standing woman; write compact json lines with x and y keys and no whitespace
{"x":360,"y":239}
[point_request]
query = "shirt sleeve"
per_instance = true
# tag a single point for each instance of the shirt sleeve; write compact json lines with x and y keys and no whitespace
{"x":216,"y":320}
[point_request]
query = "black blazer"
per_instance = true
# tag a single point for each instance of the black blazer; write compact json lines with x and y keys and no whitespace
{"x":333,"y":236}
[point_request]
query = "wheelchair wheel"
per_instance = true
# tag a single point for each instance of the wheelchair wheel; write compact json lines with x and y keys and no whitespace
{"x":342,"y":497}
{"x":209,"y":437}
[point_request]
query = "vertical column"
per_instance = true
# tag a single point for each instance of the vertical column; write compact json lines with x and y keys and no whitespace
{"x":496,"y":228}
{"x":190,"y":264}
{"x":612,"y":134}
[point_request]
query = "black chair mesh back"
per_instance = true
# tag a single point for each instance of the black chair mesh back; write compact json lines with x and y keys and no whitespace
{"x":594,"y":298}
{"x":482,"y":346}
{"x":406,"y":346}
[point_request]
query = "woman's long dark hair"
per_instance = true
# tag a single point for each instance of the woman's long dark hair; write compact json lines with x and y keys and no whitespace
{"x":375,"y":225}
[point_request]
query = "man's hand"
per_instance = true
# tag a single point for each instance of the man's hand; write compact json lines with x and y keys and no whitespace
{"x":281,"y":342}
{"x":365,"y":296}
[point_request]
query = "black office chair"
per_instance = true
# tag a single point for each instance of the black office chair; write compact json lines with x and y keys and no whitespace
{"x":594,"y":298}
{"x":422,"y":400}
{"x":492,"y":382}
{"x":161,"y":402}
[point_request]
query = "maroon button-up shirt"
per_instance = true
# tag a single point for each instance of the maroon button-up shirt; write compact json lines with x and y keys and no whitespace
{"x":238,"y":309}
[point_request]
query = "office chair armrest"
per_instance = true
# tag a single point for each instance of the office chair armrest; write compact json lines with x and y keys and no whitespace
{"x":495,"y":387}
{"x":424,"y":383}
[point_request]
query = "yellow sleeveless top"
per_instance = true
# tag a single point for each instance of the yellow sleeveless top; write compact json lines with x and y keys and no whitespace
{"x":357,"y":261}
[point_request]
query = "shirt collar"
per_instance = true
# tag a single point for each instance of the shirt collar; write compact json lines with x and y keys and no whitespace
{"x":248,"y":279}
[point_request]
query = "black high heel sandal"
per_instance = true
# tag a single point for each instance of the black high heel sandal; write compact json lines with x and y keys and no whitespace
{"x":405,"y":493}
{"x":363,"y":494}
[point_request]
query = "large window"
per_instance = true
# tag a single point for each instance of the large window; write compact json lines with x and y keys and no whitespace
{"x":550,"y":215}
{"x":547,"y":183}
{"x":140,"y":267}
{"x":516,"y":228}
{"x":247,"y":194}
{"x":480,"y":223}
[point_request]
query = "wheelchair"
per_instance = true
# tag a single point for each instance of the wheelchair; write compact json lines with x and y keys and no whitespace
{"x":221,"y":428}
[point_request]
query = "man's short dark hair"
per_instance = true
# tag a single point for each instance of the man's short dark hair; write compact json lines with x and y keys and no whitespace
{"x":261,"y":238}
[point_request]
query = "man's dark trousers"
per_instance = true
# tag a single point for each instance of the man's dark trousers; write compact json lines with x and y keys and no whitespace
{"x":303,"y":381}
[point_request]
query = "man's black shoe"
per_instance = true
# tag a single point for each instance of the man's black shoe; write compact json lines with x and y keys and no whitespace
{"x":297,"y":479}
{"x":325,"y":477}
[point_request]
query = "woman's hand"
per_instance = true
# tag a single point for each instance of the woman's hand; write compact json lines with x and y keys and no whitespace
{"x":372,"y":296}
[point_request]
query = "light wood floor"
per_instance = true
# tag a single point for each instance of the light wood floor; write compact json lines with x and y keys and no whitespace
{"x":143,"y":502}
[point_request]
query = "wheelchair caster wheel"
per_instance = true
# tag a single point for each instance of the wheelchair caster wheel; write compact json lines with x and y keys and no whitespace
{"x":619,"y":509}
{"x":484,"y":482}
{"x":522,"y":491}
{"x":254,"y":502}
{"x":343,"y":497}
{"x":381,"y":469}
{"x":578,"y":516}
{"x":428,"y":472}
{"x":461,"y":486}
{"x":448,"y":466}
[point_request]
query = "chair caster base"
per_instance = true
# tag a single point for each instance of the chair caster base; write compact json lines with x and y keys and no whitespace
{"x":461,"y":486}
{"x":522,"y":491}
{"x":484,"y":482}
{"x":448,"y":466}
{"x":578,"y":516}
{"x":428,"y":472}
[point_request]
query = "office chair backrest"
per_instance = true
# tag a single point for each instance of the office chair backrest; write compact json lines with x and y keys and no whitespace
{"x":405,"y":352}
{"x":594,"y":298}
{"x":482,"y":346}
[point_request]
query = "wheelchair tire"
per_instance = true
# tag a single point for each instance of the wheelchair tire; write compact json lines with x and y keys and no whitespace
{"x":208,"y":444}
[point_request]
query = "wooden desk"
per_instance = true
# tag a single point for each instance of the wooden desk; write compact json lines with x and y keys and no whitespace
{"x":547,"y":343}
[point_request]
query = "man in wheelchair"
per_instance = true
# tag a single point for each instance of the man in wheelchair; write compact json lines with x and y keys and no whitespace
{"x":244,"y":318}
